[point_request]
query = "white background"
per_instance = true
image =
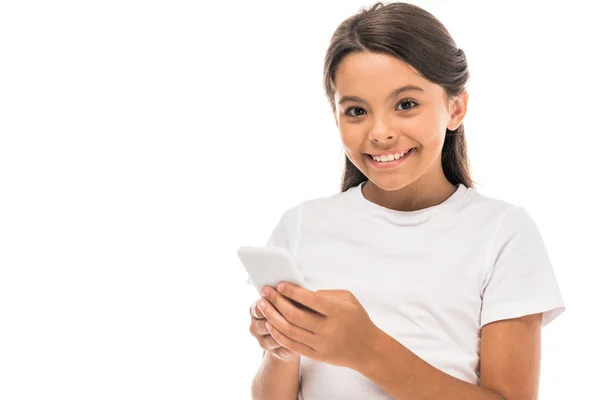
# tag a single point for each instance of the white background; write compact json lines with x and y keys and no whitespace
{"x":143,"y":142}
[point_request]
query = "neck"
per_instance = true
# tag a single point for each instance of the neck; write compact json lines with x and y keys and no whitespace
{"x":427,"y":191}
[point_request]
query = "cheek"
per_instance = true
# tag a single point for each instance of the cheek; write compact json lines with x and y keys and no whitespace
{"x":352,"y":139}
{"x":432,"y":139}
{"x":429,"y":133}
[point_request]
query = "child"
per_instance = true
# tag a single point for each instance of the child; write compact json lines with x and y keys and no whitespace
{"x":421,"y":286}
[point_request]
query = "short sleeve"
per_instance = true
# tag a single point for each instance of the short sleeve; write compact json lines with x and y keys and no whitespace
{"x":521,"y":280}
{"x":286,"y":233}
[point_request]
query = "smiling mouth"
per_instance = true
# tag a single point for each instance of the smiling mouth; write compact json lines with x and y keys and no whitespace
{"x":391,"y":157}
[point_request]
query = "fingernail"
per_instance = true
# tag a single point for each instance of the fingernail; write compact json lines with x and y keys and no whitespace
{"x":261,"y":305}
{"x":265,"y":291}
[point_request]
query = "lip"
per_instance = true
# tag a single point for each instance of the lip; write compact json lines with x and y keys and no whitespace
{"x":390,"y":164}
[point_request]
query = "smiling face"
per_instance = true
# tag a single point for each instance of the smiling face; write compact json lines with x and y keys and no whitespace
{"x":384,"y":107}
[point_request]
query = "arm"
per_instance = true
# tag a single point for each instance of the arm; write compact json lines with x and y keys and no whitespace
{"x":510,"y":364}
{"x":276,"y":379}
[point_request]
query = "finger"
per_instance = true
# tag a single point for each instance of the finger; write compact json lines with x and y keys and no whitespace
{"x":303,"y":307}
{"x":303,"y":296}
{"x":290,"y":330}
{"x":299,"y":317}
{"x":258,"y":328}
{"x":268,"y":343}
{"x":255,"y":311}
{"x":291,"y":344}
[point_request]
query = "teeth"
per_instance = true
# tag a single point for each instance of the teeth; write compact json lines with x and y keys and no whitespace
{"x":389,"y":157}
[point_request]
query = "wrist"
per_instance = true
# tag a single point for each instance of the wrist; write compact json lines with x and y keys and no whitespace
{"x":373,"y":354}
{"x":279,"y":361}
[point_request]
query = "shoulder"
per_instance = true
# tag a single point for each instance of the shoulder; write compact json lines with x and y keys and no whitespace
{"x":316,"y":207}
{"x":509,"y":226}
{"x":288,"y":231}
{"x":490,"y":208}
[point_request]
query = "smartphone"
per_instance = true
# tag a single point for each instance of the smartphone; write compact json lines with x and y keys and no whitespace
{"x":270,"y":265}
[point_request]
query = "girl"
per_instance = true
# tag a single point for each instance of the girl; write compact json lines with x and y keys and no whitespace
{"x":440,"y":291}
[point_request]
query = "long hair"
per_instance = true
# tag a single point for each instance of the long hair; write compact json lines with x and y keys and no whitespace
{"x":419,"y":39}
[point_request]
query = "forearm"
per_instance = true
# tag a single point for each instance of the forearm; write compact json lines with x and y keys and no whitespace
{"x":404,"y":375}
{"x":276,"y":379}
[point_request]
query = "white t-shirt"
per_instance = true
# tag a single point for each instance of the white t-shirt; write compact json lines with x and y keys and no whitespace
{"x":429,"y":278}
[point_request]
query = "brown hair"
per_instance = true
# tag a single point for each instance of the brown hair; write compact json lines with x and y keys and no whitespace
{"x":418,"y":38}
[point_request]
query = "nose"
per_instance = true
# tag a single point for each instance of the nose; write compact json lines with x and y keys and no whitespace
{"x":381,"y":133}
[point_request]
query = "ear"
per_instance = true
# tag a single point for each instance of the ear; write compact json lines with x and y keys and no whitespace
{"x":459,"y":110}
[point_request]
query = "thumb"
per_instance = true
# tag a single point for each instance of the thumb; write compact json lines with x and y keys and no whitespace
{"x":334,"y":293}
{"x":339,"y":294}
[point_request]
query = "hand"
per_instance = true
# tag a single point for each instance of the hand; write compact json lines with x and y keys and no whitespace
{"x":266,"y":341}
{"x":338,"y":331}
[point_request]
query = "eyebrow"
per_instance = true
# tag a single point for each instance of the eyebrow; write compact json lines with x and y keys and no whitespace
{"x":393,"y":94}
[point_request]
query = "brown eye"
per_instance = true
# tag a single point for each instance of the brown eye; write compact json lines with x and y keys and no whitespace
{"x":401,"y":104}
{"x":353,"y":108}
{"x":407,"y":102}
